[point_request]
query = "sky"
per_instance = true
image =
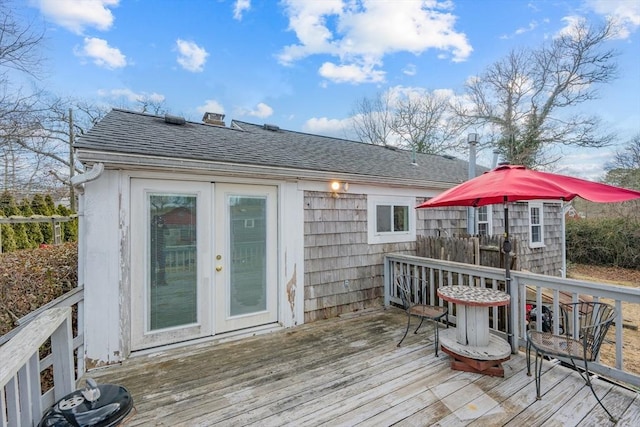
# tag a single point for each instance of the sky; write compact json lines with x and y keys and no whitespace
{"x":304,"y":64}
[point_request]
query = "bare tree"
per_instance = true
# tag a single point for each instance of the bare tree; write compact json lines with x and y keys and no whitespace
{"x":19,"y":56}
{"x":624,"y":171}
{"x":19,"y":43}
{"x":424,"y":122}
{"x":372,"y":119}
{"x":409,"y":118}
{"x":528,"y":95}
{"x":148,"y":104}
{"x":40,"y":140}
{"x":37,"y":129}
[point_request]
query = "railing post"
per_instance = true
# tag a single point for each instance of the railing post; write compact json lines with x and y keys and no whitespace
{"x":63,"y":366}
{"x":514,"y":293}
{"x":35,"y":389}
{"x":80,"y":323}
{"x":387,"y":281}
{"x":11,"y":395}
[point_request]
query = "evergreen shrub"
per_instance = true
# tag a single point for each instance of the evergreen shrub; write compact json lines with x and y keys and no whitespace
{"x":604,"y":241}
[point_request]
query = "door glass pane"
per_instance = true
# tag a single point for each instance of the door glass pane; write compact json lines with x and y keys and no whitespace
{"x":248,"y":242}
{"x":172,"y":283}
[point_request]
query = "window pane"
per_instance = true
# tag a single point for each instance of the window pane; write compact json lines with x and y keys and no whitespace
{"x":400,"y":218}
{"x":483,"y":229}
{"x":172,"y":275}
{"x":383,"y":218}
{"x":482,"y":214}
{"x":535,"y":216}
{"x":535,"y":234}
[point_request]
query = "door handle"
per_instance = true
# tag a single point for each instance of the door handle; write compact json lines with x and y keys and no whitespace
{"x":219,"y":268}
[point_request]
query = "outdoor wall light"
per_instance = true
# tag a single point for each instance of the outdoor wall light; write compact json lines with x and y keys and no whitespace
{"x":339,"y":187}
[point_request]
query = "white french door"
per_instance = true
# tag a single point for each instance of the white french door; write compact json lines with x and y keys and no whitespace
{"x":245,"y":276}
{"x":203,"y":259}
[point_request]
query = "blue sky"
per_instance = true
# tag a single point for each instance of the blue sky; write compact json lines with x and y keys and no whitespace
{"x":302,"y":65}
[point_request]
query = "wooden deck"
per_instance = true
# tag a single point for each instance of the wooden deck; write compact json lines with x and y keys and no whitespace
{"x":348,"y":371}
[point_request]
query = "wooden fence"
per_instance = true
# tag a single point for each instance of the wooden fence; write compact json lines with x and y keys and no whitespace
{"x":482,"y":250}
{"x":54,"y":220}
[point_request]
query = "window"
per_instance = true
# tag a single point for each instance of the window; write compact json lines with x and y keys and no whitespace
{"x":391,"y":219}
{"x":485,"y":220}
{"x":536,"y":225}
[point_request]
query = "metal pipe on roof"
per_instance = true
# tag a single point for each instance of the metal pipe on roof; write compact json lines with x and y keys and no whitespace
{"x":472,"y":139}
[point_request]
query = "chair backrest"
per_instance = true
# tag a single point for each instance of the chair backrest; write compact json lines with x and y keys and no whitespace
{"x":590,"y":321}
{"x":403,"y":282}
{"x":412,"y":290}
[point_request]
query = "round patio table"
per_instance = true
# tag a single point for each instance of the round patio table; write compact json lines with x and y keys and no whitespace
{"x":471,"y":345}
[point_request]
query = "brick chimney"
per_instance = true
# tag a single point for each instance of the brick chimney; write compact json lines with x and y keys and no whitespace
{"x":216,"y":119}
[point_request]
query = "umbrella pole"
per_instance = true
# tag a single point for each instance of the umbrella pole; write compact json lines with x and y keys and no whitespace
{"x":506,"y":249}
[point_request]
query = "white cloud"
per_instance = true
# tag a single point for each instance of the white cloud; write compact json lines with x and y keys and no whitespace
{"x":211,"y":106}
{"x":522,"y":30}
{"x":101,"y":53}
{"x":328,"y":127}
{"x":588,"y":164}
{"x":191,"y":56}
{"x":361,"y":33}
{"x":240,"y":7}
{"x":626,"y":13}
{"x":572,"y":24}
{"x":351,"y":73}
{"x":76,"y":15}
{"x":262,"y":111}
{"x":410,"y":70}
{"x":131,"y":96}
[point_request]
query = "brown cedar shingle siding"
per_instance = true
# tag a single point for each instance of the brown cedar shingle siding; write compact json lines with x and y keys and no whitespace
{"x":336,"y":250}
{"x":548,"y":259}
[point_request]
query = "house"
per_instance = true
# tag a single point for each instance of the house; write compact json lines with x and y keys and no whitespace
{"x":193,"y":231}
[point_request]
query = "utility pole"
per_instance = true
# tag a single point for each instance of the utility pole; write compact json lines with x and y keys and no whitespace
{"x":72,"y":194}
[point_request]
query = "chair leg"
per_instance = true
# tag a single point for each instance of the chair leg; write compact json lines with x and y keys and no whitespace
{"x":538,"y":373}
{"x":587,"y":378}
{"x":406,"y":330}
{"x":436,"y":335}
{"x":528,"y":352}
{"x":421,"y":320}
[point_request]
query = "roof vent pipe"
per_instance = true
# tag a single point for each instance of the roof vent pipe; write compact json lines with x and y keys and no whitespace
{"x":494,"y":162}
{"x":174,"y":120}
{"x":472,"y":139}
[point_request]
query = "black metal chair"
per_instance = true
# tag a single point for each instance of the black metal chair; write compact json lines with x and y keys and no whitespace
{"x":590,"y":321}
{"x":414,"y":305}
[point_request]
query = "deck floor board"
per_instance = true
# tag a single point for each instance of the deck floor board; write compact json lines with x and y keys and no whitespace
{"x":348,"y":371}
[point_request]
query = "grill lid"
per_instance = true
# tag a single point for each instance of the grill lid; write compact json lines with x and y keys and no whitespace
{"x":101,"y":405}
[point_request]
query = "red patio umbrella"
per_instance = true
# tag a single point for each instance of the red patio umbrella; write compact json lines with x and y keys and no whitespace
{"x":510,"y":183}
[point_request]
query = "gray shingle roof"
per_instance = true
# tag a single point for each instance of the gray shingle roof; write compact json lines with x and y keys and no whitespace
{"x":126,"y":132}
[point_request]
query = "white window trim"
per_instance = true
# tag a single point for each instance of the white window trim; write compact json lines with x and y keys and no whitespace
{"x":489,"y":220}
{"x":540,"y":206}
{"x":373,"y":236}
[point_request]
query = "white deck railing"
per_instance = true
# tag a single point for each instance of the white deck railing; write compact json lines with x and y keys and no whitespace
{"x":21,"y":399}
{"x":525,"y":287}
{"x":75,"y":299}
